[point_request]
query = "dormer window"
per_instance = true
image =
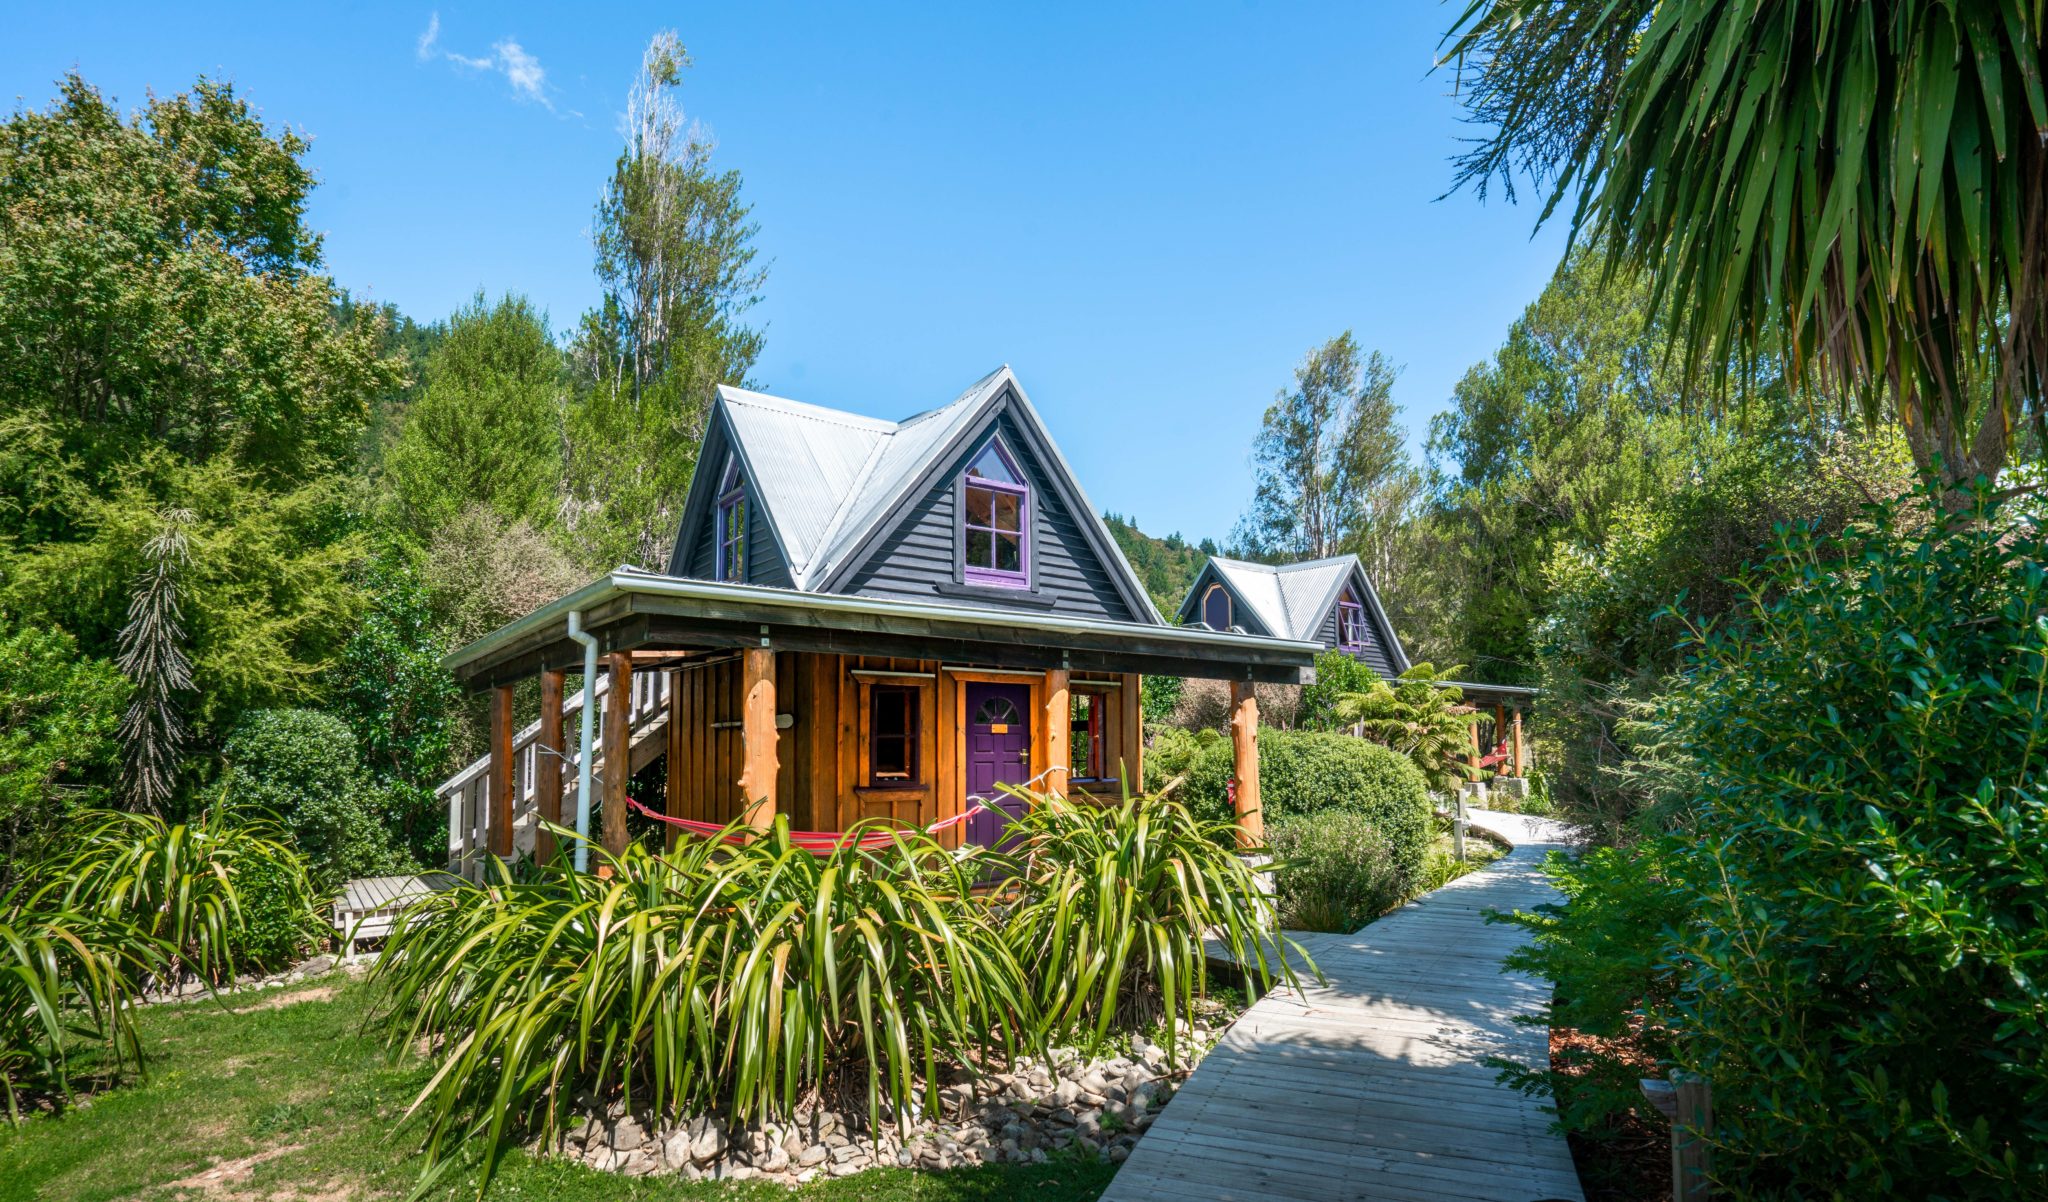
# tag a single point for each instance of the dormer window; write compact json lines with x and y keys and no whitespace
{"x":994,"y":521}
{"x":1216,"y":608}
{"x":1350,"y":623}
{"x":732,"y":526}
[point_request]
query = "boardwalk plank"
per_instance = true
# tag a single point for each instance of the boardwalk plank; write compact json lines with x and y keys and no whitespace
{"x":1373,"y":1084}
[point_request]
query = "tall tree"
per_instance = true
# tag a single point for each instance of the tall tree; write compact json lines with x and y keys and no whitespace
{"x":1857,"y":188}
{"x":1331,"y":469}
{"x":676,"y":258}
{"x":487,"y":427}
{"x":159,"y":288}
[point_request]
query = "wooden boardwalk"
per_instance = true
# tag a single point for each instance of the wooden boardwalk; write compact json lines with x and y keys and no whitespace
{"x":1375,"y":1085}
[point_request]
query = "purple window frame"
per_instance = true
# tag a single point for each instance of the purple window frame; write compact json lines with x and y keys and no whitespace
{"x":1212,"y":591}
{"x":727,"y":562}
{"x":990,"y":575}
{"x":1350,"y":622}
{"x":913,"y":710}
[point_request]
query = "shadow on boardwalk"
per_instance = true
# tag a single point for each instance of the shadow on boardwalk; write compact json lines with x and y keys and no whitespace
{"x":1375,"y":1084}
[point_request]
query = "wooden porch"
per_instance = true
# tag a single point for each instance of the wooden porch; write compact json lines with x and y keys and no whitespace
{"x":747,"y":710}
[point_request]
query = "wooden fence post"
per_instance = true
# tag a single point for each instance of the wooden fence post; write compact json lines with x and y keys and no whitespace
{"x":1687,"y":1100}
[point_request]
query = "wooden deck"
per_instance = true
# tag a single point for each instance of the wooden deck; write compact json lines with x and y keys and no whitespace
{"x":1375,"y":1085}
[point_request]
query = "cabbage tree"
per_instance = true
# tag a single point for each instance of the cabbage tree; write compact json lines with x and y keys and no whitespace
{"x":1857,"y":188}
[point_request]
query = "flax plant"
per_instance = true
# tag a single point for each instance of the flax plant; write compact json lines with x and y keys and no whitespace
{"x":749,"y":978}
{"x":174,"y":883}
{"x":64,"y":979}
{"x":1113,"y":904}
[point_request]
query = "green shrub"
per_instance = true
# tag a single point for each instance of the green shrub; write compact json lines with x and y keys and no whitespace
{"x":1607,"y":949}
{"x":1869,"y":861}
{"x":1172,"y":752}
{"x":1337,"y":676}
{"x":59,"y":713}
{"x":738,"y":977}
{"x":1845,"y":933}
{"x":302,"y":767}
{"x":1336,"y":872}
{"x":1116,"y":901}
{"x":1303,"y":773}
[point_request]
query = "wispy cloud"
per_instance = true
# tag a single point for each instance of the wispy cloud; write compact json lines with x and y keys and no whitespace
{"x":523,"y":71}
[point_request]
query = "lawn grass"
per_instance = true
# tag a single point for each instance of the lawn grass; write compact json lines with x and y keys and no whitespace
{"x":309,"y":1096}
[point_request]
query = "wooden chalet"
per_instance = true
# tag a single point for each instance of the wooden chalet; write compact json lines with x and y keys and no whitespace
{"x":859,"y":619}
{"x":1329,"y":602}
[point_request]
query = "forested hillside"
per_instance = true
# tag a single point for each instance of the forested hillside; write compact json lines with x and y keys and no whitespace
{"x":243,"y":517}
{"x":1168,"y":566}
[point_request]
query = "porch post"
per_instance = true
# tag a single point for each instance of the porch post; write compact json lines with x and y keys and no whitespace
{"x":501,"y":775}
{"x":1515,"y":744}
{"x":548,"y":762}
{"x":1244,"y":744}
{"x":618,"y":748}
{"x":757,"y":737}
{"x":1059,"y":732}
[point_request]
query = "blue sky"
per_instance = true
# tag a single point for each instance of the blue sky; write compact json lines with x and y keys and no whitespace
{"x":1150,"y":211}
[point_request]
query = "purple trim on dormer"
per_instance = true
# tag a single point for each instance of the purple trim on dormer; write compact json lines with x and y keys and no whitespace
{"x":989,"y":573}
{"x":1350,"y":624}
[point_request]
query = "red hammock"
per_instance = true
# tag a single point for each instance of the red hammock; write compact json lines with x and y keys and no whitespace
{"x":818,"y":843}
{"x":1499,"y":756}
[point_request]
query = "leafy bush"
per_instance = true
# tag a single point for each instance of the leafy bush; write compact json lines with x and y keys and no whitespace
{"x":1844,"y":934}
{"x":58,"y":716}
{"x":301,"y":766}
{"x":1337,"y":675}
{"x":1869,"y":861}
{"x":1336,"y":872}
{"x":1307,"y":772}
{"x":740,"y":977}
{"x":1607,"y":948}
{"x":219,"y":894}
{"x":1172,"y":752}
{"x":1117,"y":899}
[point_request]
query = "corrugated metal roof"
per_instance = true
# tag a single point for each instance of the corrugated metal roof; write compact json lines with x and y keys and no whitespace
{"x":803,"y":461}
{"x":1289,"y":599}
{"x":828,"y":481}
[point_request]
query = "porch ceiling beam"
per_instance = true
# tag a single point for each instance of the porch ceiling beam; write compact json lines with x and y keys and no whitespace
{"x":643,"y":632}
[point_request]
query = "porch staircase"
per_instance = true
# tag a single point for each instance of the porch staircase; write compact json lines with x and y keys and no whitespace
{"x":466,"y":793}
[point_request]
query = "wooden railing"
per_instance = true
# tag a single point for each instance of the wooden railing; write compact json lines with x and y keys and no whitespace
{"x":467,"y":793}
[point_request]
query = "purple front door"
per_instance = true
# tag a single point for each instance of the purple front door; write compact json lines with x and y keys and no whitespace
{"x":998,"y":752}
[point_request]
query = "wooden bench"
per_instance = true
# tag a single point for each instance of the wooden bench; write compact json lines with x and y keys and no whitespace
{"x":369,"y":908}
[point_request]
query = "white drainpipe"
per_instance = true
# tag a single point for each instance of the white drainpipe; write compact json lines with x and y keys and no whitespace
{"x":584,"y":737}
